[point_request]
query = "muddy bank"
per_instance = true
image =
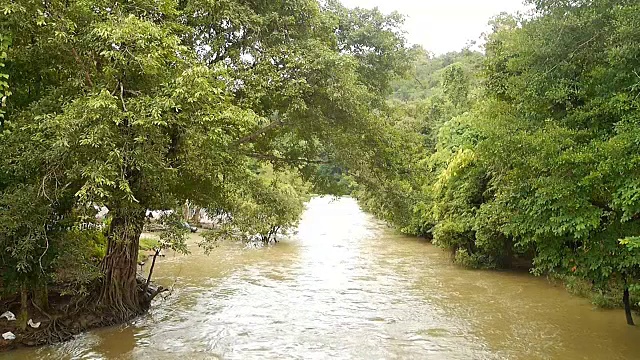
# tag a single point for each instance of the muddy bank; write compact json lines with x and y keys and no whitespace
{"x":64,"y":317}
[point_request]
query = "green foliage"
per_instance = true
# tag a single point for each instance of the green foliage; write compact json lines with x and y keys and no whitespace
{"x":271,"y":203}
{"x":140,"y":106}
{"x":473,"y":260}
{"x":561,"y":116}
{"x":603,"y":296}
{"x":77,"y":259}
{"x":530,"y":151}
{"x":425,"y":77}
{"x":173,"y":237}
{"x":328,"y":179}
{"x":4,"y":85}
{"x":425,"y":132}
{"x":147,"y":244}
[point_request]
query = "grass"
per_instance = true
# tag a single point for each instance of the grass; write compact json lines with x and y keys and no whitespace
{"x":146,"y":244}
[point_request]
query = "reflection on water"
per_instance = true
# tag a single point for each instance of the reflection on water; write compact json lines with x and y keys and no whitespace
{"x":347,"y":287}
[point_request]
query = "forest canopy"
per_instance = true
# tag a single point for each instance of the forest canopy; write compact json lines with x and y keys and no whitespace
{"x":528,"y":153}
{"x":228,"y":106}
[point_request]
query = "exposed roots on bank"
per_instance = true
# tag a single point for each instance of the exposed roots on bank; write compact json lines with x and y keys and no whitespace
{"x":68,"y":316}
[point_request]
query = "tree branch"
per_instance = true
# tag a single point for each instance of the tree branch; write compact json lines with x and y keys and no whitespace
{"x":259,"y":132}
{"x":287,"y":160}
{"x":153,"y":264}
{"x":124,"y":107}
{"x":86,"y":73}
{"x":415,"y":77}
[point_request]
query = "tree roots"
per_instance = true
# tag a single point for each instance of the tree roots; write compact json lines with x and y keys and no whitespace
{"x":65,"y":320}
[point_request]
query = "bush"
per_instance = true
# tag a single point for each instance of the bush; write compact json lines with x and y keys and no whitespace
{"x":577,"y":286}
{"x":78,"y":265}
{"x":452,"y":235}
{"x":608,"y":297}
{"x":607,"y":300}
{"x":474,"y":261}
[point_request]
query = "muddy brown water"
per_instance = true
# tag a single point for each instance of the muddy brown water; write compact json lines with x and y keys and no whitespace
{"x":347,"y":287}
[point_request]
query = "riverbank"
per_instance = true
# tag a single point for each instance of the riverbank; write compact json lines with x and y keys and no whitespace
{"x":65,"y":317}
{"x":56,"y":315}
{"x":365,"y":290}
{"x":609,"y":298}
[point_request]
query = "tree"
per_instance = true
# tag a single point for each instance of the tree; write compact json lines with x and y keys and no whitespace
{"x":534,"y":155}
{"x":140,"y":105}
{"x":565,"y":98}
{"x":269,"y":203}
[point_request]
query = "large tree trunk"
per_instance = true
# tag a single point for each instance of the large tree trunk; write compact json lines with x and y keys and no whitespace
{"x":120,"y":293}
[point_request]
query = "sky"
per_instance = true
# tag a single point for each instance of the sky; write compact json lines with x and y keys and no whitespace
{"x":442,"y":25}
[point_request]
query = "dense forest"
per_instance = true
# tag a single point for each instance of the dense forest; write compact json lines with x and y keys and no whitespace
{"x":524,"y":154}
{"x":529,"y":153}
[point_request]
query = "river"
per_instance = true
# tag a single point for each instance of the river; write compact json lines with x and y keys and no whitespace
{"x":348,"y":287}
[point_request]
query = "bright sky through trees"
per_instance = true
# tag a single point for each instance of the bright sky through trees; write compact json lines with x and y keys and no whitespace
{"x":442,"y":26}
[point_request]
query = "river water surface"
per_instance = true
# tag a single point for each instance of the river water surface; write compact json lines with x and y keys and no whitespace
{"x":347,"y":287}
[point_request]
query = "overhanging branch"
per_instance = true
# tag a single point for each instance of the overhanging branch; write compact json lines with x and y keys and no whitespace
{"x":254,"y":135}
{"x":287,"y":160}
